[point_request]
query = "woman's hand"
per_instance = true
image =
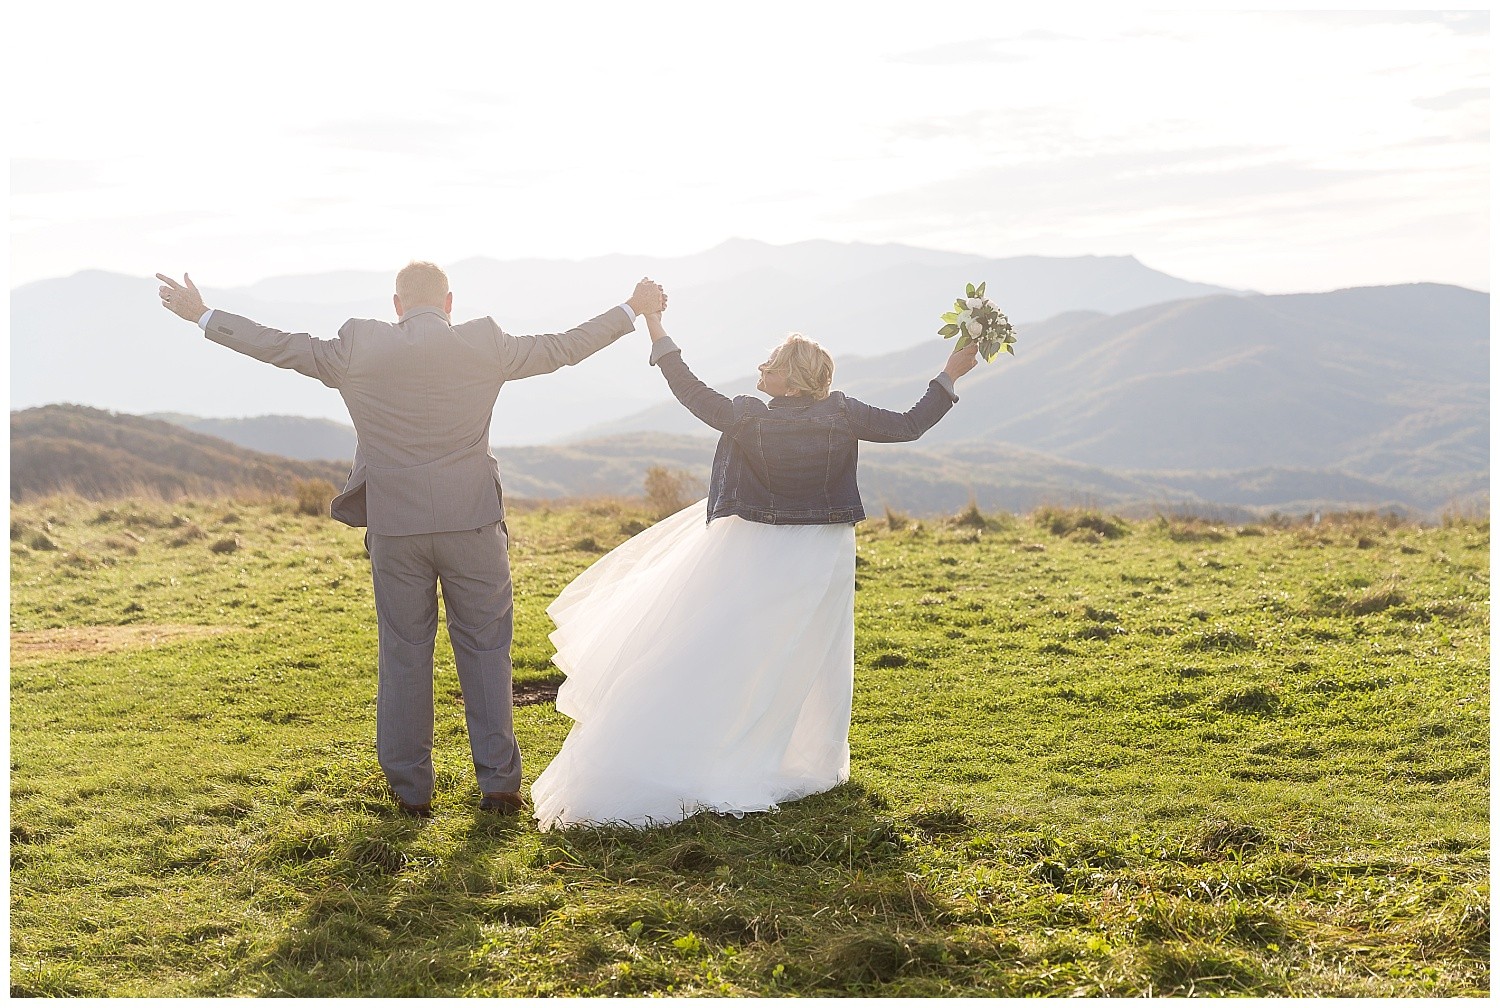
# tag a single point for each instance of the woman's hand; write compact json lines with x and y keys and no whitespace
{"x":654,"y":326}
{"x":961,"y":362}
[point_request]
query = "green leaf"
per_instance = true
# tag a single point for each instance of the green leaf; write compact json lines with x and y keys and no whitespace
{"x":1010,"y":349}
{"x":969,"y":289}
{"x":967,"y":339}
{"x":950,"y":316}
{"x":979,"y":291}
{"x":959,"y":305}
{"x":948,"y":330}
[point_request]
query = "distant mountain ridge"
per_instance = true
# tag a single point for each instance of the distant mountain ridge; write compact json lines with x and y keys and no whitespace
{"x":1389,"y":384}
{"x":306,"y":438}
{"x":1255,"y":401}
{"x":1135,"y":386}
{"x":104,"y":340}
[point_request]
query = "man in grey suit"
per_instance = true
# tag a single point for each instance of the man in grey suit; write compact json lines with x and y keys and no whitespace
{"x":421,"y":392}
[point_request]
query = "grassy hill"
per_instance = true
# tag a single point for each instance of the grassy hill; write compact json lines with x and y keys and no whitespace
{"x":1090,"y":757}
{"x":100,"y":454}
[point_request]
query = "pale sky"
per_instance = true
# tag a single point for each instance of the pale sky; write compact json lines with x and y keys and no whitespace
{"x":1273,"y":151}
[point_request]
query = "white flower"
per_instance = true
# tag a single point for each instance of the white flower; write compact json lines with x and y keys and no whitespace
{"x":963,"y":318}
{"x":974,"y":328}
{"x":975,"y":302}
{"x":988,"y":303}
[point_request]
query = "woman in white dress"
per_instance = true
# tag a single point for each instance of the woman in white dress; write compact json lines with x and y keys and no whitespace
{"x":710,"y":659}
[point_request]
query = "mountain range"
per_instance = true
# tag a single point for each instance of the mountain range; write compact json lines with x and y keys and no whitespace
{"x":1384,"y":383}
{"x":1128,"y":385}
{"x":104,"y":340}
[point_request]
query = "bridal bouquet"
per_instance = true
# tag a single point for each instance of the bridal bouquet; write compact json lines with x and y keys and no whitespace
{"x":975,"y":319}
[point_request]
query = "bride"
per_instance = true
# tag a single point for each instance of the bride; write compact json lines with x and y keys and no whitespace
{"x":710,"y":659}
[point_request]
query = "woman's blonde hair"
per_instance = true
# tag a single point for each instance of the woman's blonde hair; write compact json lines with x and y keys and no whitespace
{"x":808,"y":367}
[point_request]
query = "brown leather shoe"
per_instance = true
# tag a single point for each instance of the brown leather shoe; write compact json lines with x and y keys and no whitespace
{"x":419,"y":811}
{"x":504,"y":802}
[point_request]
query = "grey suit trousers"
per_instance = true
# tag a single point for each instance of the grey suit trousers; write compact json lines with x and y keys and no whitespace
{"x":473,"y":571}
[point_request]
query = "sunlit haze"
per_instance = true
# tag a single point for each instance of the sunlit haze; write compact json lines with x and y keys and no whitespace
{"x":1273,"y":151}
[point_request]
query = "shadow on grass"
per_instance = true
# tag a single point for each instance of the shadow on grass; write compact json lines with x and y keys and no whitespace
{"x":818,"y":897}
{"x":836,"y":894}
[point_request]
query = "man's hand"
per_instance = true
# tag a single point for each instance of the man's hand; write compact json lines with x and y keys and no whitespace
{"x":649,"y":298}
{"x":962,"y":361}
{"x":184,"y":302}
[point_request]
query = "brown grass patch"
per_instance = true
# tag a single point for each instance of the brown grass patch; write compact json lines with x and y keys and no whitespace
{"x":100,"y":639}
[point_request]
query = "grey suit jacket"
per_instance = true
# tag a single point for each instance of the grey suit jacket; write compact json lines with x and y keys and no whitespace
{"x":420,"y":392}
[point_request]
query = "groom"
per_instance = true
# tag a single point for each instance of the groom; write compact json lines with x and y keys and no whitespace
{"x":421,"y":392}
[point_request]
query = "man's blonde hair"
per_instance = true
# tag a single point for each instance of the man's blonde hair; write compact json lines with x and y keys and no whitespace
{"x":422,"y":283}
{"x":808,"y":367}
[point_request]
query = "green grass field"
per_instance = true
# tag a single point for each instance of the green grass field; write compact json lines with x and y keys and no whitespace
{"x":1089,"y":758}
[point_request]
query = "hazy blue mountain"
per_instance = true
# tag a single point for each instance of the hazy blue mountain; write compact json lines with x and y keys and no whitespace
{"x":1385,"y":383}
{"x":289,"y":436}
{"x":104,"y":340}
{"x":1141,"y":383}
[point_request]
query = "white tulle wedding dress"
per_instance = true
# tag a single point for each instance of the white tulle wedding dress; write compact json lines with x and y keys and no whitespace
{"x":709,"y":667}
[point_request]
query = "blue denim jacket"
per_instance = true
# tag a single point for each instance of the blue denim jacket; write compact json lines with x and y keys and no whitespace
{"x":792,"y":461}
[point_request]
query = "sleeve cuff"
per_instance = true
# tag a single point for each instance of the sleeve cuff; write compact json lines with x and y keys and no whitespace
{"x":947,"y":385}
{"x":661,"y":348}
{"x":629,"y":311}
{"x":203,"y":321}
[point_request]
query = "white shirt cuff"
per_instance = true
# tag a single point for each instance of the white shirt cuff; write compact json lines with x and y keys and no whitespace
{"x":660,"y":348}
{"x":629,"y":311}
{"x":203,"y":322}
{"x":946,"y":383}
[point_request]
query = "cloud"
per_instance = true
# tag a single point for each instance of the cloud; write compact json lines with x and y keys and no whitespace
{"x":39,"y":176}
{"x":1156,"y":181}
{"x":963,"y":51}
{"x":389,"y":136}
{"x":1476,"y":22}
{"x":1017,"y":126}
{"x":1453,"y":99}
{"x":1475,"y":137}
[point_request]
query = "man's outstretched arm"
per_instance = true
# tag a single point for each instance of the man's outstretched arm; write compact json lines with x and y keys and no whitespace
{"x":524,"y":356}
{"x":325,"y":360}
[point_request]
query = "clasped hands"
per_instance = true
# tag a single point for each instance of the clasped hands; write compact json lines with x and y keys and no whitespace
{"x":648,"y":298}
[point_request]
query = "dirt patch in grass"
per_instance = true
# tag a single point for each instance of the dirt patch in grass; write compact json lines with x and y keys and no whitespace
{"x":100,"y":639}
{"x":523,"y":694}
{"x":533,"y":693}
